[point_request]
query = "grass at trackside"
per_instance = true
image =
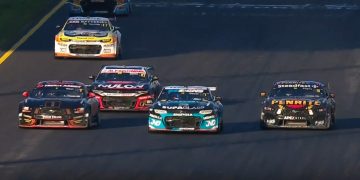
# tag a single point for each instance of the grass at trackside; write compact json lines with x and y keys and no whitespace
{"x":17,"y":16}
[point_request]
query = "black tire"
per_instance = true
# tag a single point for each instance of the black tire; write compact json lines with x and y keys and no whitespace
{"x":97,"y":120}
{"x":263,"y":125}
{"x":328,"y":121}
{"x":150,"y":132}
{"x":333,"y":120}
{"x":220,"y":128}
{"x":90,"y":119}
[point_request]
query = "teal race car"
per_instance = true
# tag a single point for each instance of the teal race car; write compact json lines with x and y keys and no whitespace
{"x":186,"y":109}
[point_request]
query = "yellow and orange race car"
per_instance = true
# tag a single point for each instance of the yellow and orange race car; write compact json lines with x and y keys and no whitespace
{"x":88,"y":37}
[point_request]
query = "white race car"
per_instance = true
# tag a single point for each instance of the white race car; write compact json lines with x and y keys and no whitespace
{"x":88,"y":37}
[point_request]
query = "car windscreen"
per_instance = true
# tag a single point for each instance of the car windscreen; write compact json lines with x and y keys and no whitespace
{"x":78,"y":25}
{"x":298,"y":91}
{"x":121,"y":77}
{"x":184,"y":95}
{"x":57,"y":92}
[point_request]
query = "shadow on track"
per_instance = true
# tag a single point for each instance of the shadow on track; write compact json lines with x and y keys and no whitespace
{"x":112,"y":123}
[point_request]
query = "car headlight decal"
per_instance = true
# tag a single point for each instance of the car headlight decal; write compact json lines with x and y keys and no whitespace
{"x":160,"y":111}
{"x":204,"y":112}
{"x":79,"y":110}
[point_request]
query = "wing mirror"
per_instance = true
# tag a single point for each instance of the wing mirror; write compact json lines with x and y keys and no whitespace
{"x":58,"y":27}
{"x":263,"y":94}
{"x":92,"y":77}
{"x":26,"y":94}
{"x":116,"y":28}
{"x":218,"y":98}
{"x":91,"y":95}
{"x":155,"y":78}
{"x":332,"y":95}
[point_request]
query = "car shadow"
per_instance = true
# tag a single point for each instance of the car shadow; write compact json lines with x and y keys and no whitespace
{"x":133,"y":120}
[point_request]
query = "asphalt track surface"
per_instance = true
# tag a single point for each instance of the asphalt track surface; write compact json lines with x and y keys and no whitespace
{"x":241,"y":52}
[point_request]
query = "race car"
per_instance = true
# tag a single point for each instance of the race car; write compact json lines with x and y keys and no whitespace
{"x":88,"y":37}
{"x":100,"y":7}
{"x":125,"y":88}
{"x":59,"y":104}
{"x":186,"y":109}
{"x":298,"y":104}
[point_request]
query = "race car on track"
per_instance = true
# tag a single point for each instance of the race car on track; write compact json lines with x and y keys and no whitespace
{"x":59,"y":104}
{"x":100,"y":7}
{"x":186,"y":108}
{"x":88,"y":37}
{"x":298,"y":104}
{"x":125,"y":88}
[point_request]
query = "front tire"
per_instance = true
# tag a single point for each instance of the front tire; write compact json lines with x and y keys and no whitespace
{"x":263,"y":126}
{"x":97,"y":120}
{"x":220,"y":128}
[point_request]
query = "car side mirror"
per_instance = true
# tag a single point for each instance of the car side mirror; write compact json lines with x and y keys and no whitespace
{"x":218,"y":98}
{"x":25,"y":94}
{"x":57,"y":26}
{"x":116,"y":28}
{"x":155,"y":78}
{"x":263,"y":94}
{"x":91,"y":95}
{"x":332,"y":95}
{"x":92,"y":77}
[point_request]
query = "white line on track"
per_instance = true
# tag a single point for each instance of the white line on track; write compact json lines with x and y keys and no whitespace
{"x":8,"y":53}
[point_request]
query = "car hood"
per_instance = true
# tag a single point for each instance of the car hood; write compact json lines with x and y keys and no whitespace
{"x":55,"y":103}
{"x":120,"y":85}
{"x":185,"y":105}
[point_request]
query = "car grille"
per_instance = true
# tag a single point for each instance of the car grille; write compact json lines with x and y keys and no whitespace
{"x":51,"y":111}
{"x":41,"y":115}
{"x":119,"y":102}
{"x":293,"y":112}
{"x":182,"y":122}
{"x":85,"y":49}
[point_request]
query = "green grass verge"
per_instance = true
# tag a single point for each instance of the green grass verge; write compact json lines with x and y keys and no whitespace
{"x":17,"y":16}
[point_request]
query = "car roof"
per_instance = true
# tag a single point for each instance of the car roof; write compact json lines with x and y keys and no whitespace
{"x":289,"y":82}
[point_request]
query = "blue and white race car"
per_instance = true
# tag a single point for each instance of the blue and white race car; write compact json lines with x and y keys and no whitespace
{"x":186,"y":108}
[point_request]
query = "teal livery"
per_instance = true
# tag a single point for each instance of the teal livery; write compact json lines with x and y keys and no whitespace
{"x":186,"y":108}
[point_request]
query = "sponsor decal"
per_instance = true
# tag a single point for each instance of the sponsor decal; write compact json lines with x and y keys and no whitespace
{"x":122,"y":71}
{"x":182,"y":107}
{"x":51,"y":117}
{"x":210,"y":123}
{"x":298,"y":86}
{"x":296,"y":102}
{"x":60,"y":85}
{"x":120,"y":86}
{"x":191,"y":90}
{"x":155,"y":122}
{"x":182,"y":114}
{"x":294,"y":118}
